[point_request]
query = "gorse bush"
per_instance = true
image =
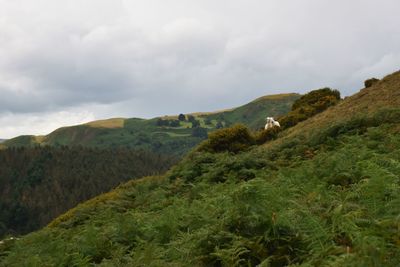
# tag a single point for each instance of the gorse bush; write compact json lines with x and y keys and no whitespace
{"x":313,"y":98}
{"x":310,"y":104}
{"x":234,"y":139}
{"x":263,"y":136}
{"x":370,"y":82}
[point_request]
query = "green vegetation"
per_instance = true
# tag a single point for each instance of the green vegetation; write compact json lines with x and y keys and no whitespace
{"x":20,"y":141}
{"x":254,"y":114}
{"x":309,"y":105}
{"x":98,"y":158}
{"x":234,"y":139}
{"x":181,"y":117}
{"x":167,"y":135}
{"x":263,"y":136}
{"x":38,"y":184}
{"x":273,"y":207}
{"x":325,"y":192}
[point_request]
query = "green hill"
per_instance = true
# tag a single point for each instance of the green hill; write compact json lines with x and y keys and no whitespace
{"x":159,"y":134}
{"x":325,"y":192}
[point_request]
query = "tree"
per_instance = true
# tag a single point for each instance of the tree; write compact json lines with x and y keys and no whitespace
{"x":191,"y":118}
{"x":181,"y":117}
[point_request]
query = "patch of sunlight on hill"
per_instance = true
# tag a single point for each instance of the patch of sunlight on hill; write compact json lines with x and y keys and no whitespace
{"x":275,"y":97}
{"x":109,"y":123}
{"x":39,"y":139}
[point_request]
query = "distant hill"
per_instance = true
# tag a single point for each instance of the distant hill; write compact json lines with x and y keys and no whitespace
{"x":164,"y":134}
{"x":325,"y":192}
{"x":2,"y":140}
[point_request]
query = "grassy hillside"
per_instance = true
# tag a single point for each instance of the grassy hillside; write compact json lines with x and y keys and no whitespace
{"x":385,"y":94}
{"x":324,"y":193}
{"x":149,"y":135}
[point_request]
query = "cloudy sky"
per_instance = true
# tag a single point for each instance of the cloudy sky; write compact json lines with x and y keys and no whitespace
{"x":65,"y":62}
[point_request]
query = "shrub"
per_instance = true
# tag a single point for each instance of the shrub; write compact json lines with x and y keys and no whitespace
{"x":315,"y":96}
{"x":266,"y":135}
{"x":181,"y":117}
{"x":309,"y":105}
{"x":291,"y":119}
{"x":234,"y":139}
{"x":370,"y":82}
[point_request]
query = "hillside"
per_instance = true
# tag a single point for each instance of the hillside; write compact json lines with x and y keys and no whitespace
{"x":38,"y":184}
{"x":326,"y":192}
{"x":384,"y":95}
{"x":160,"y":135}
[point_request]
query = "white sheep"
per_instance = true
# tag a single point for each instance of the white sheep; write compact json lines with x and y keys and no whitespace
{"x":271,"y":123}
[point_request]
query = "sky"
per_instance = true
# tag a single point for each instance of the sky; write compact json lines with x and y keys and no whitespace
{"x":66,"y":62}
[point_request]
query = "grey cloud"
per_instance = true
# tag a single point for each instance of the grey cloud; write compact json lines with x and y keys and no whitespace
{"x":109,"y":64}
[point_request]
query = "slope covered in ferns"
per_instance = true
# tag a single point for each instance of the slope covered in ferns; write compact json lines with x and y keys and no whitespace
{"x":325,"y":192}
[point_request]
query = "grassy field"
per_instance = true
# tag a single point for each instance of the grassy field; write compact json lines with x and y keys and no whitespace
{"x":110,"y":123}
